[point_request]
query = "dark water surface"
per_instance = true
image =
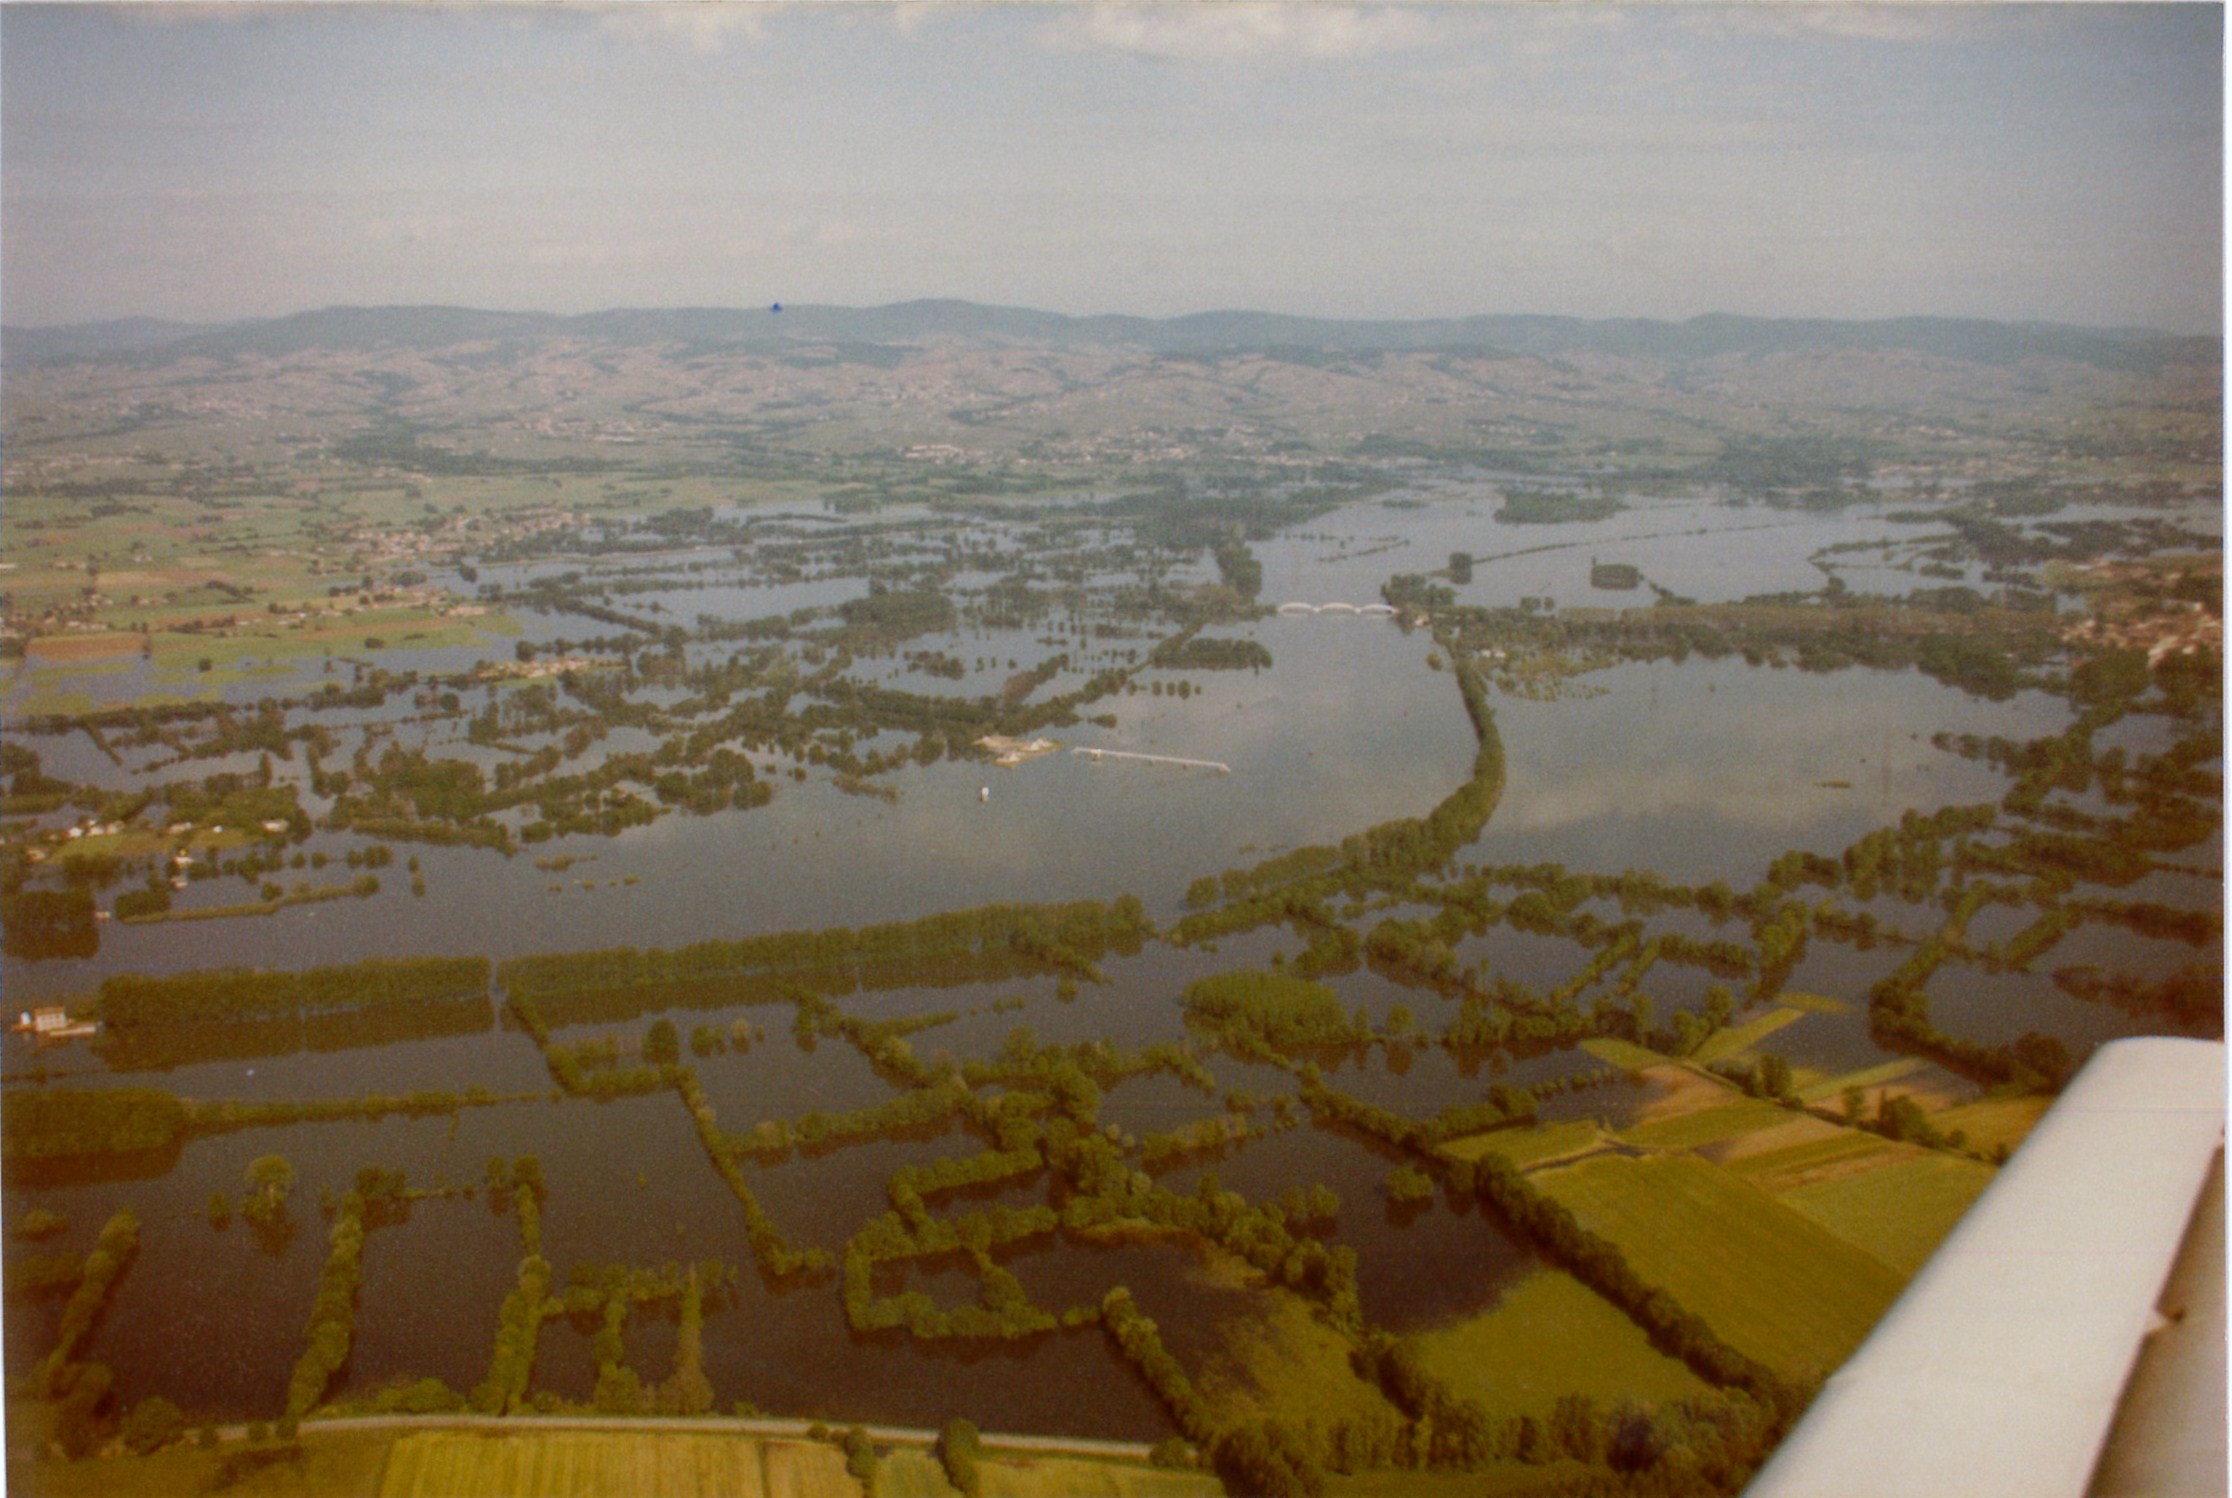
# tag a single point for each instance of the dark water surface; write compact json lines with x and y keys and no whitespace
{"x":1700,"y":770}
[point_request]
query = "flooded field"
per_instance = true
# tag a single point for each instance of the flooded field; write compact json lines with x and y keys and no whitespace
{"x":1701,"y":770}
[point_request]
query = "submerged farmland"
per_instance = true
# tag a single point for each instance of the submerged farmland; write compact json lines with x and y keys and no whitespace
{"x":565,"y":941}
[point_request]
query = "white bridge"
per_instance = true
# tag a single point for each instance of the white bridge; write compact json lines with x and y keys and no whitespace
{"x":1365,"y":610}
{"x":1156,"y":759}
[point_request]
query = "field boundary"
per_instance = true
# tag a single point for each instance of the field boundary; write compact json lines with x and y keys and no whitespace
{"x":725,"y":1425}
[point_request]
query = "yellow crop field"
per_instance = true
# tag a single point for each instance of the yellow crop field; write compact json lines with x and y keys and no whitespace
{"x":1551,"y":1335}
{"x":1525,"y":1147}
{"x":1847,"y":1152}
{"x":1062,"y":1477}
{"x":1899,"y":1211}
{"x":911,"y":1473}
{"x":1993,"y":1121}
{"x":1724,"y":1043}
{"x":1708,"y":1125}
{"x":589,"y":1464}
{"x":1774,"y":1283}
{"x":804,"y":1469}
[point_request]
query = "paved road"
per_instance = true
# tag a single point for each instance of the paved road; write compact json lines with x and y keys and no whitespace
{"x":890,"y":1435}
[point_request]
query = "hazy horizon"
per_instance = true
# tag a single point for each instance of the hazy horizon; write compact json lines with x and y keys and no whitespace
{"x":2056,"y":164}
{"x":1204,"y":312}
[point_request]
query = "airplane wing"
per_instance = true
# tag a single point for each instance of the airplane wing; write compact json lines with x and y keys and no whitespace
{"x":2007,"y":1369}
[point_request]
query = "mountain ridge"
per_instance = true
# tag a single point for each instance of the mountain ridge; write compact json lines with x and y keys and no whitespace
{"x":926,"y":321}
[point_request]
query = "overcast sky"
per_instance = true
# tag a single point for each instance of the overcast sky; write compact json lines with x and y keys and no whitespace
{"x":2058,"y":163}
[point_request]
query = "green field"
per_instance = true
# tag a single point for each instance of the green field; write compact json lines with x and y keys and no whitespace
{"x":1551,"y":1335}
{"x":1723,"y":1043}
{"x":1771,"y":1281}
{"x":914,"y":1473}
{"x":1848,"y":1153}
{"x":1994,"y":1121}
{"x":338,"y":1465}
{"x":1623,"y":1054}
{"x":1830,"y":1089}
{"x":591,"y":1464}
{"x":1709,"y":1125}
{"x":1059,"y":1477}
{"x":1515,"y":1478}
{"x":1279,"y":1361}
{"x":1526,"y":1147}
{"x":1900,"y":1211}
{"x":909,"y":1473}
{"x":1812,"y":1003}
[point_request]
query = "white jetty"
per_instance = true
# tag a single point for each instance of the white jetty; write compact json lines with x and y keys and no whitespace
{"x":1156,"y":759}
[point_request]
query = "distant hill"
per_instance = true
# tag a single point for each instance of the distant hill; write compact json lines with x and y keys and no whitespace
{"x":1713,"y":336}
{"x":85,"y":340}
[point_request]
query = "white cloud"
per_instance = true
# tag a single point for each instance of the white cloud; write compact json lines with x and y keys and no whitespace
{"x":1216,"y":32}
{"x":703,"y":26}
{"x":1900,"y":21}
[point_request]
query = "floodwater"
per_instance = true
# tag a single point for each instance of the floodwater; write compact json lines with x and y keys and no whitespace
{"x":1699,"y":770}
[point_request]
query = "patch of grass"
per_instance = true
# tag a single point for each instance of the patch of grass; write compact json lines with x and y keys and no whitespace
{"x":1850,"y":1152}
{"x":1623,"y":1054}
{"x":1278,"y":1361}
{"x":1549,"y":1336}
{"x":57,"y":704}
{"x":1991,"y":1122}
{"x":1812,"y":1003}
{"x":911,"y":1473}
{"x":1708,"y":1125}
{"x":412,"y":628}
{"x":1727,"y":1041}
{"x":303,"y":894}
{"x":1899,"y":1211}
{"x":1771,"y":1281}
{"x":1829,"y":1089}
{"x":794,"y":1469}
{"x":344,"y":1464}
{"x":1512,"y":1478}
{"x":590,"y":1464}
{"x":1063,"y":1477}
{"x":1528,"y":1147}
{"x":134,"y":842}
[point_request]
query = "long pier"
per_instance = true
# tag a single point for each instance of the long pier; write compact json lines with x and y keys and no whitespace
{"x":1157,"y":759}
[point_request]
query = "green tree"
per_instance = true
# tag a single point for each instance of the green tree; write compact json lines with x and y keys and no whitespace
{"x":1409,"y":1184}
{"x":1774,"y":1078}
{"x":661,"y":1045}
{"x":77,"y":1418}
{"x":860,"y":1460}
{"x":958,"y":1451}
{"x":152,"y":1424}
{"x":272,"y":1179}
{"x":687,"y":1390}
{"x":41,"y":1223}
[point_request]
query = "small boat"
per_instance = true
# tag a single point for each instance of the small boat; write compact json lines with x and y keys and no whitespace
{"x":984,"y":793}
